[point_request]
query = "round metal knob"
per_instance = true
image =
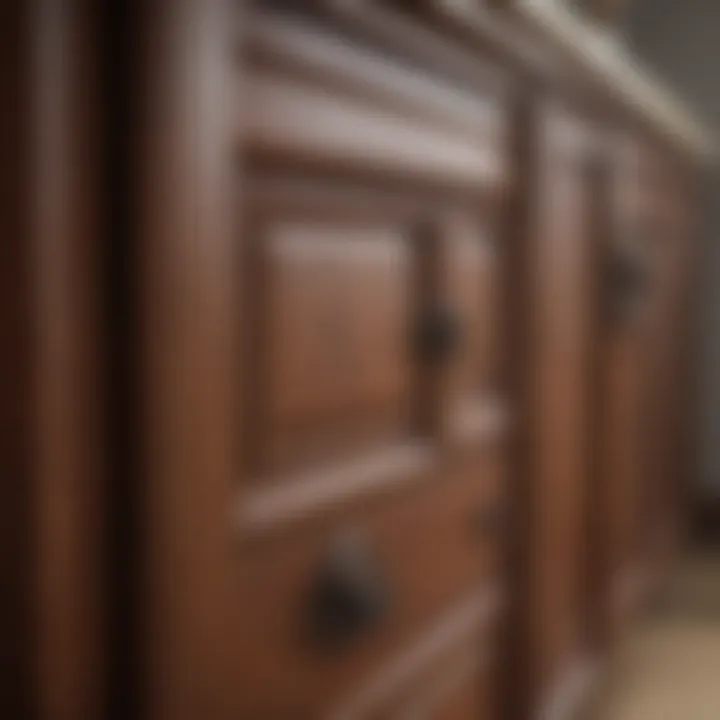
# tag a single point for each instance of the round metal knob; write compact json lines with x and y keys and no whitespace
{"x":350,"y":595}
{"x":628,"y":279}
{"x":439,"y":334}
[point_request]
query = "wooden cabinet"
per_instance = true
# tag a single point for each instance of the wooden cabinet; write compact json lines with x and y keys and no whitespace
{"x":345,"y":361}
{"x":382,"y":445}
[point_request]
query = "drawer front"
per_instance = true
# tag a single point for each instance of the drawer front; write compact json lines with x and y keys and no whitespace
{"x":326,"y":602}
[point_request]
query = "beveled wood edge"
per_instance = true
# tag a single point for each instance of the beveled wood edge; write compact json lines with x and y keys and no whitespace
{"x":294,"y":498}
{"x":298,"y":497}
{"x":470,"y":615}
{"x":414,"y":206}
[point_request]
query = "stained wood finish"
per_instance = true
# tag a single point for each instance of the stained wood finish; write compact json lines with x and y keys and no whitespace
{"x":52,"y":410}
{"x":333,"y":299}
{"x":326,"y":296}
{"x":288,"y":670}
{"x":325,"y":351}
{"x":187,"y":356}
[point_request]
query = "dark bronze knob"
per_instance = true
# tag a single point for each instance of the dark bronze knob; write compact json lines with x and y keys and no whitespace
{"x":627,"y":279}
{"x":350,"y":595}
{"x":439,"y":334}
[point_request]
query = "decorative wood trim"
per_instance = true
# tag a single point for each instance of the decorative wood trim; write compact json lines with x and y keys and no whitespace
{"x":305,"y":123}
{"x":389,"y":27}
{"x":343,"y":65}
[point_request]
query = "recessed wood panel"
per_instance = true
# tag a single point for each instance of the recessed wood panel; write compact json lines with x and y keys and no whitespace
{"x":331,"y":353}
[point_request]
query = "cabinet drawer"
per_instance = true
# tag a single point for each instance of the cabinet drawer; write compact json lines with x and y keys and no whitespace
{"x":324,"y":604}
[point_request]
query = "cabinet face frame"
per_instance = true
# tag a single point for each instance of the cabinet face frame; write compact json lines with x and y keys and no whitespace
{"x":543,"y":149}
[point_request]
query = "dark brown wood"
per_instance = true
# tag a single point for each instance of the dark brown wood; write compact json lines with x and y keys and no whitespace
{"x":291,"y":404}
{"x":52,"y":450}
{"x":187,"y":97}
{"x":343,"y":361}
